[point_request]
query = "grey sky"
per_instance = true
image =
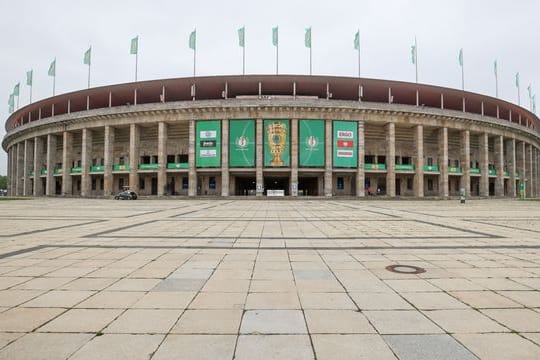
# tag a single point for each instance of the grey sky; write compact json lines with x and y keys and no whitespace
{"x":33,"y":32}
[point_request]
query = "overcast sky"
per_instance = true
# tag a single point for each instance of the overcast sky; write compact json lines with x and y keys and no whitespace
{"x":33,"y":33}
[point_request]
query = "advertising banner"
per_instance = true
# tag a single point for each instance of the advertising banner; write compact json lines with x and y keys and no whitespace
{"x":345,"y":144}
{"x":276,"y":143}
{"x":241,"y":143}
{"x":311,"y":143}
{"x":208,"y":143}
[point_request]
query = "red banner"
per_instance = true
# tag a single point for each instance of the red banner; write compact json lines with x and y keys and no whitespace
{"x":345,"y":143}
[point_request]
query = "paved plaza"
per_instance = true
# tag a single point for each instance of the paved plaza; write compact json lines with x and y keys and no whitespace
{"x":269,"y":279}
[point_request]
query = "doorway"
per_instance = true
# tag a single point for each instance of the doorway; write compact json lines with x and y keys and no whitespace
{"x":154,"y":186}
{"x":244,"y":185}
{"x":308,"y":186}
{"x":276,"y":183}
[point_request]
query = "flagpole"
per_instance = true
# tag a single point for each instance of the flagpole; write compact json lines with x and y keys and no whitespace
{"x":136,"y":60}
{"x":359,"y":53}
{"x":18,"y":101}
{"x":310,"y":63}
{"x":416,"y":58}
{"x":277,"y":58}
{"x":244,"y":59}
{"x":194,"y":59}
{"x":89,"y":76}
{"x":462,"y":77}
{"x":31,"y":90}
{"x":519,"y":97}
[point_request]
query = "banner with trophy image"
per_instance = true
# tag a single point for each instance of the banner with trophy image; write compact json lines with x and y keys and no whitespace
{"x":311,"y":143}
{"x":345,"y":144}
{"x":276,"y":143}
{"x":208,"y":143}
{"x":241,"y":143}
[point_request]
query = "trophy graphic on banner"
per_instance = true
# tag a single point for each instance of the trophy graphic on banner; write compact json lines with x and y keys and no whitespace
{"x":277,"y":137}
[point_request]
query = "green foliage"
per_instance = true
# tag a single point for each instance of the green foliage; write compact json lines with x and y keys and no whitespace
{"x":3,"y":182}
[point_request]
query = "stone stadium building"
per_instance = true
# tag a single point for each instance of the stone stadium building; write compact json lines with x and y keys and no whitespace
{"x":273,"y":135}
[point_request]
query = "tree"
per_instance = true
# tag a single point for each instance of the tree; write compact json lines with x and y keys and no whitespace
{"x":3,"y":182}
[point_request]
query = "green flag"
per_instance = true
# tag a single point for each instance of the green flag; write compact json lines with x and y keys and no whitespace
{"x":517,"y":79}
{"x":307,"y":38}
{"x":461,"y":57}
{"x":242,"y":36}
{"x":52,"y":68}
{"x":193,"y":40}
{"x":134,"y":49}
{"x":413,"y":54}
{"x":495,"y":68}
{"x":88,"y":56}
{"x":29,"y":76}
{"x":16,"y":89}
{"x":275,"y":36}
{"x":357,"y":40}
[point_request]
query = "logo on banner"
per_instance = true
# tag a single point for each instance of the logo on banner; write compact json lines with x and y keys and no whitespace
{"x":208,"y":134}
{"x":345,"y":153}
{"x":345,"y":143}
{"x":242,"y":142}
{"x":345,"y":134}
{"x":208,"y":153}
{"x":311,"y":142}
{"x":208,"y":143}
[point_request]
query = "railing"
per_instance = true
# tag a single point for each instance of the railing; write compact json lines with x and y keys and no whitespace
{"x":404,"y":167}
{"x":177,"y":165}
{"x":148,"y":166}
{"x":369,"y":166}
{"x":43,"y":172}
{"x":431,"y":168}
{"x":124,"y":167}
{"x":454,"y":169}
{"x":492,"y":172}
{"x":474,"y":171}
{"x":57,"y":171}
{"x":76,"y":170}
{"x":97,"y":168}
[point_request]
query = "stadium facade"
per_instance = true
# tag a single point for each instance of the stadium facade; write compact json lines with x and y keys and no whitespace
{"x":273,"y":135}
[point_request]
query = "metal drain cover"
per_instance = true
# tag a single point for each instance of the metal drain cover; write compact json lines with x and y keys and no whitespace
{"x":405,"y":269}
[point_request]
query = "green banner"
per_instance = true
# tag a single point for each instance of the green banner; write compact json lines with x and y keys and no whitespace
{"x":345,"y":144}
{"x":276,"y":143}
{"x":311,"y":143}
{"x":208,"y":143}
{"x":242,"y":143}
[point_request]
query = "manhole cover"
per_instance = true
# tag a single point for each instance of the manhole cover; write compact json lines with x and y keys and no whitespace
{"x":405,"y":269}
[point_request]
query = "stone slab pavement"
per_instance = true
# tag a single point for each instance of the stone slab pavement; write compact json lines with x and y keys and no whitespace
{"x":269,"y":279}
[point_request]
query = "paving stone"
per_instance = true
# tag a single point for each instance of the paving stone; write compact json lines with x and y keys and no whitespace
{"x":499,"y":346}
{"x":272,"y":301}
{"x":273,"y":322}
{"x":419,"y":347}
{"x":171,"y":284}
{"x":337,"y":322}
{"x":401,"y":322}
{"x":521,"y":320}
{"x":208,"y":322}
{"x":165,"y":300}
{"x":44,"y":346}
{"x":464,"y":321}
{"x":433,"y":301}
{"x":196,"y":347}
{"x":345,"y":347}
{"x":379,"y":301}
{"x":27,"y":319}
{"x":216,"y":300}
{"x":119,"y":347}
{"x":274,"y":347}
{"x":144,"y":321}
{"x":82,"y":320}
{"x":112,"y":300}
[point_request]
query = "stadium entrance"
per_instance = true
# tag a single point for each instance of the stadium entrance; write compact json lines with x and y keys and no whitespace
{"x":244,"y":185}
{"x":276,"y":183}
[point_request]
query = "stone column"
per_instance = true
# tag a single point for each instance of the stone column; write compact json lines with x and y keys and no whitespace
{"x":67,"y":162}
{"x":530,"y":169}
{"x":418,"y":185}
{"x":328,"y":143}
{"x":28,"y":162}
{"x":443,"y":162}
{"x":259,"y":157}
{"x":108,"y":160}
{"x":12,"y":170}
{"x":391,"y":159}
{"x":134,"y":137}
{"x":484,"y":162}
{"x":225,"y":157}
{"x":192,"y":179}
{"x":499,"y":165}
{"x":38,"y":162}
{"x":293,"y":187}
{"x":51,"y":159}
{"x":360,"y":172}
{"x":465,"y":162}
{"x":20,"y":168}
{"x":162,"y":158}
{"x":521,"y":165}
{"x":511,"y":158}
{"x":86,"y":160}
